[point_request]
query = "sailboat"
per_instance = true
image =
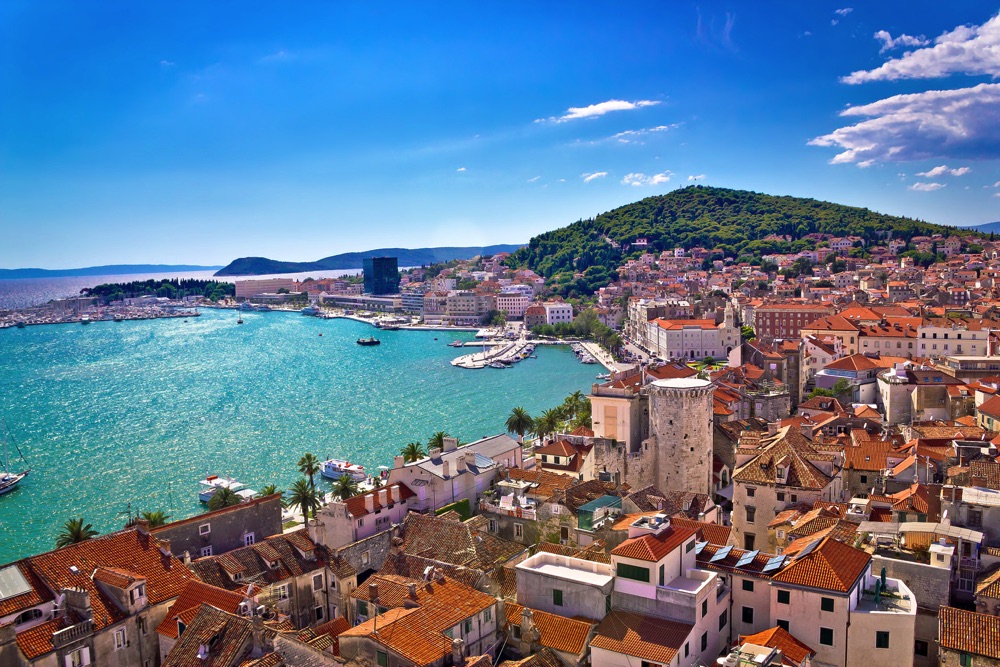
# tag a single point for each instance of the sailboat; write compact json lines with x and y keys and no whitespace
{"x":9,"y":478}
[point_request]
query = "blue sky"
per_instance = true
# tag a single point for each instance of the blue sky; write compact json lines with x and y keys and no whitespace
{"x":199,"y":132}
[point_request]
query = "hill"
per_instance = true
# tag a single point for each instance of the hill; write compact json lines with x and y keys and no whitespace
{"x":257,"y":266}
{"x":107,"y":270}
{"x":732,"y":223}
{"x":988,"y":228}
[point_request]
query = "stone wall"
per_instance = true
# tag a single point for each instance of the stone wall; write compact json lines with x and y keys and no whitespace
{"x":681,"y":428}
{"x":228,"y":527}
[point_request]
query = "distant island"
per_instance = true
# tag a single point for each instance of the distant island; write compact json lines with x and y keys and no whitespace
{"x":107,"y":270}
{"x":257,"y":266}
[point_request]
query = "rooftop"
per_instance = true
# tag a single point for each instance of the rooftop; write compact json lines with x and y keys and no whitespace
{"x":568,"y":568}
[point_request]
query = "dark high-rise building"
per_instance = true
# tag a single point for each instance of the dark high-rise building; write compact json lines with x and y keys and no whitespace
{"x":381,"y":275}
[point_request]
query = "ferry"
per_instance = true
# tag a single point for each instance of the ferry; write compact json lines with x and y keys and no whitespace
{"x":213,"y":483}
{"x":371,"y":340}
{"x":337,"y":468}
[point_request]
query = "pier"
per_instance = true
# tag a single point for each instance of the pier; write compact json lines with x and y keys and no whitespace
{"x":505,"y":353}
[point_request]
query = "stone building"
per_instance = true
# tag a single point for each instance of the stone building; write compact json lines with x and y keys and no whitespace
{"x":223,"y":530}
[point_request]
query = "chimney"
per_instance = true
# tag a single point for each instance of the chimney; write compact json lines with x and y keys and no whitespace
{"x":142,"y":525}
{"x":412,"y":586}
{"x":78,"y":600}
{"x":457,"y":650}
{"x":470,"y":459}
{"x":370,"y":502}
{"x":806,"y":430}
{"x":772,"y":428}
{"x":529,"y":632}
{"x":165,"y":548}
{"x":398,"y":462}
{"x":258,"y":648}
{"x":383,"y":497}
{"x":373,"y":595}
{"x":439,"y":575}
{"x":460,"y":464}
{"x":186,"y":559}
{"x":435,"y":453}
{"x":445,"y":469}
{"x":394,"y":490}
{"x":450,"y":444}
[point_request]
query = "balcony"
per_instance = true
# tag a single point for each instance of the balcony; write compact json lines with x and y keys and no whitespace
{"x":517,"y":512}
{"x":895,"y":599}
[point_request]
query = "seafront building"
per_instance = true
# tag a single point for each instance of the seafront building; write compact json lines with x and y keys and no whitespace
{"x":381,"y":275}
{"x":246,"y":289}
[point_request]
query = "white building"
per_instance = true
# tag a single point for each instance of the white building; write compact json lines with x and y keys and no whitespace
{"x":514,"y":304}
{"x":693,"y":339}
{"x":249,"y":288}
{"x":556,"y":313}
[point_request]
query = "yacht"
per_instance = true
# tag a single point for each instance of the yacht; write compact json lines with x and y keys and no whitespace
{"x":456,"y":343}
{"x":497,"y":364}
{"x":310,"y":310}
{"x":212,"y":483}
{"x":85,"y":319}
{"x":9,"y":478}
{"x":337,"y":468}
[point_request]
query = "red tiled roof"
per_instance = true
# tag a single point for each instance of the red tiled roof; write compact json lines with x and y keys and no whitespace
{"x":782,"y":640}
{"x":37,"y":641}
{"x":653,"y":547}
{"x":969,"y":632}
{"x":831,"y":565}
{"x":37,"y":595}
{"x":192,"y":597}
{"x":356,"y":505}
{"x":558,"y":633}
{"x":639,"y":636}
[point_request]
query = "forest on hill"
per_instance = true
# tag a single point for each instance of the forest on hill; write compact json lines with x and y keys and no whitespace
{"x":731,"y":223}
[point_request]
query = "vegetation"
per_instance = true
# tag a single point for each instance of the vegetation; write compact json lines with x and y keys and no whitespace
{"x":74,"y":531}
{"x":157,"y":518}
{"x":344,"y":487}
{"x":584,"y":325}
{"x":268,"y":490}
{"x":173,"y":288}
{"x":413,"y":451}
{"x":223,"y":497}
{"x":303,"y":494}
{"x":437,"y":440}
{"x":581,"y":258}
{"x":573,"y":413}
{"x":519,"y":422}
{"x":747,"y":333}
{"x":840,"y":388}
{"x":309,"y":465}
{"x":462,"y":507}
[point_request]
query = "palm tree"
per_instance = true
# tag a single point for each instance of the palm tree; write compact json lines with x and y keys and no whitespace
{"x":74,"y":531}
{"x":223,"y":497}
{"x":157,"y":518}
{"x":344,"y":487}
{"x":268,"y":490}
{"x":437,"y":440}
{"x":413,"y":451}
{"x":547,"y":422}
{"x":303,"y":494}
{"x":520,"y":422}
{"x":309,"y":465}
{"x":578,"y":401}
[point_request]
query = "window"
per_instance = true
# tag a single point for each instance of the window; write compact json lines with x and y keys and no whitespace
{"x":632,"y":572}
{"x":723,"y":619}
{"x":783,"y":624}
{"x":283,"y":592}
{"x":488,"y":616}
{"x":781,"y":534}
{"x":205,"y":529}
{"x":363,"y":608}
{"x":493,"y":526}
{"x":751,"y":491}
{"x":751,"y":512}
{"x":119,"y":638}
{"x":518,"y":530}
{"x":28,"y":616}
{"x":688,"y":547}
{"x":661,"y":574}
{"x":975,"y":518}
{"x":206,"y":551}
{"x":78,"y":658}
{"x":319,"y":613}
{"x":965,"y":659}
{"x":781,"y":497}
{"x":747,"y":615}
{"x":920,"y":648}
{"x":361,"y":523}
{"x":704,"y":641}
{"x":248,"y":539}
{"x":881,"y":639}
{"x":467,"y":627}
{"x":826,"y":604}
{"x":826,"y":636}
{"x":704,"y":608}
{"x":687,"y":649}
{"x":366,"y":558}
{"x":864,"y":479}
{"x":795,"y":498}
{"x":317,"y":582}
{"x":784,"y":597}
{"x":557,"y":597}
{"x":382,"y":658}
{"x":748,"y":585}
{"x":748,"y":541}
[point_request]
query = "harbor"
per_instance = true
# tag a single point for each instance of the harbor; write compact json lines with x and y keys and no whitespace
{"x":40,"y":315}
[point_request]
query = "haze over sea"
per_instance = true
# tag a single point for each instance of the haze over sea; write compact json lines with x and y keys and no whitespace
{"x":113,"y":415}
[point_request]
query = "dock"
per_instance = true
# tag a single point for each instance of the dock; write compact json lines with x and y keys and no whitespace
{"x":508,"y":352}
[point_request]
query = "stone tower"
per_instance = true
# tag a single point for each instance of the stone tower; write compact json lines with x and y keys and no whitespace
{"x":680,"y":432}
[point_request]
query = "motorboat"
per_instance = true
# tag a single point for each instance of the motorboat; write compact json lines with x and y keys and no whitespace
{"x":371,"y":340}
{"x":456,"y":343}
{"x":337,"y":468}
{"x":310,"y":310}
{"x":212,"y":483}
{"x":85,"y":319}
{"x":497,"y":364}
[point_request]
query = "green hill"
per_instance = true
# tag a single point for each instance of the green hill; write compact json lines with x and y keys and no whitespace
{"x":732,"y":223}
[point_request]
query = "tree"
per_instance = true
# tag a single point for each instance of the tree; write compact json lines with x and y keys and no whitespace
{"x":344,"y":487}
{"x":223,"y":497}
{"x":74,"y":531}
{"x":309,"y":465}
{"x":519,"y":422}
{"x":413,"y":451}
{"x":157,"y":518}
{"x":268,"y":490}
{"x":747,"y":333}
{"x":302,"y":494}
{"x":437,"y":440}
{"x":547,"y":422}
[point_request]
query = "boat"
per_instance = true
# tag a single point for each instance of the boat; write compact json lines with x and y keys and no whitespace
{"x":456,"y":343}
{"x":239,"y":320}
{"x":497,"y":364}
{"x":21,"y":324}
{"x":371,"y":340}
{"x":604,"y":376}
{"x":212,"y":483}
{"x":390,"y":327}
{"x":9,"y":479}
{"x":85,"y":319}
{"x":310,"y":310}
{"x":119,"y":318}
{"x":262,"y":308}
{"x":337,"y":468}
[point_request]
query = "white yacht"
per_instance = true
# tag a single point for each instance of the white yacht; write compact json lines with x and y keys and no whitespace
{"x":213,"y":483}
{"x":336,"y":468}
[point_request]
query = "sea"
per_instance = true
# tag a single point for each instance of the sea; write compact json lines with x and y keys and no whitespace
{"x":119,"y":417}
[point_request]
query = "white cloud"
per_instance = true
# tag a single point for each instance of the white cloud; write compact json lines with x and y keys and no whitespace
{"x":843,"y":12}
{"x":587,"y":178}
{"x":943,"y":170}
{"x":997,"y":184}
{"x":460,"y":169}
{"x":630,"y":136}
{"x":962,"y":124}
{"x":596,"y":110}
{"x":926,"y":187}
{"x":972,"y":50}
{"x":889,"y":42}
{"x":699,"y":177}
{"x":637,"y":178}
{"x":276,"y":57}
{"x":533,"y":179}
{"x":166,"y":63}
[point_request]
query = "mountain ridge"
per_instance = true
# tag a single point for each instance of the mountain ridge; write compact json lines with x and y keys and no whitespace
{"x":104,"y":270}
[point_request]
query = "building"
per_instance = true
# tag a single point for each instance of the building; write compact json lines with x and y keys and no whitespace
{"x":564,"y":585}
{"x":345,"y":521}
{"x":693,"y":339}
{"x":381,"y":275}
{"x":558,"y":313}
{"x":513,"y":303}
{"x":223,"y":530}
{"x":786,"y":320}
{"x":246,"y":289}
{"x":534,"y":315}
{"x":968,"y":638}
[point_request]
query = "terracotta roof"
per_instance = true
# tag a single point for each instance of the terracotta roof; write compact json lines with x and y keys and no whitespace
{"x":985,"y":473}
{"x":333,"y":629}
{"x":558,"y":448}
{"x":356,"y":505}
{"x":406,"y":632}
{"x":706,"y":532}
{"x":227,"y":636}
{"x":644,"y":637}
{"x":782,"y":640}
{"x":831,"y":565}
{"x":651,"y":547}
{"x":547,"y":483}
{"x":969,"y":632}
{"x":254,"y":561}
{"x":448,"y":601}
{"x":455,"y":543}
{"x":37,"y":641}
{"x":543,"y":658}
{"x":37,"y":595}
{"x":556,"y":632}
{"x":728,"y":564}
{"x":128,"y":550}
{"x":413,"y":567}
{"x":788,"y":447}
{"x":193,"y":596}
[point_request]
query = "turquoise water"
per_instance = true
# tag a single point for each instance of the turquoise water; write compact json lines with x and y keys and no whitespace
{"x":137,"y":412}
